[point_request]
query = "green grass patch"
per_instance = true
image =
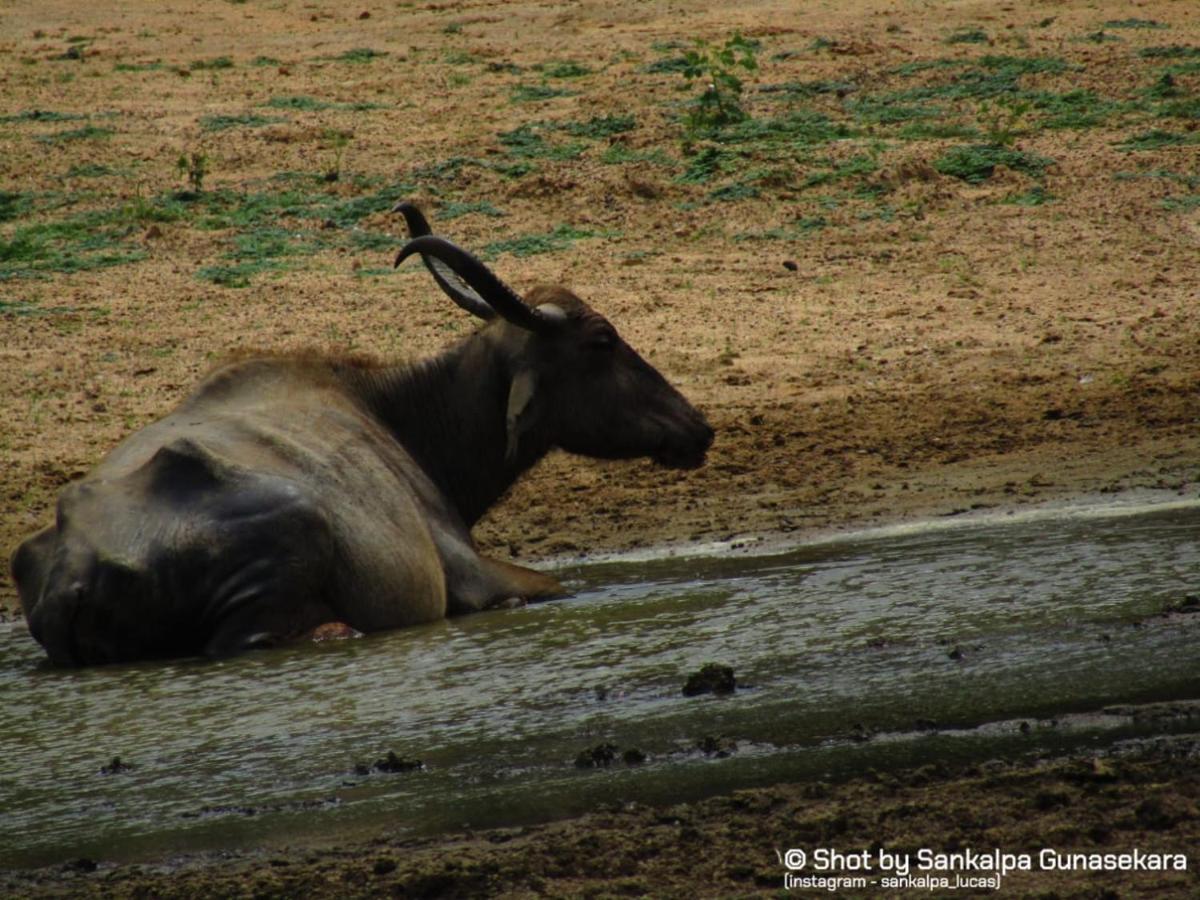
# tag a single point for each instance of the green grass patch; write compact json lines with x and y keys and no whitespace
{"x":798,"y":129}
{"x":736,"y":191}
{"x":535,"y":93}
{"x":271,"y":243}
{"x":86,"y":133}
{"x":1035,"y":196}
{"x":565,"y":69}
{"x":303,"y":103}
{"x":30,"y":308}
{"x":445,"y":170}
{"x":241,"y":120}
{"x":795,"y":89}
{"x":153,"y":66}
{"x":1192,"y":182}
{"x":237,"y":275}
{"x":359,"y":55}
{"x":1135,"y":23}
{"x":1173,"y":51}
{"x":1180,"y":109}
{"x":217,"y":62}
{"x":671,"y":65}
{"x":453,"y":210}
{"x":856,"y":167}
{"x":77,"y":244}
{"x":1187,"y":203}
{"x":1164,"y":88}
{"x":298,"y":102}
{"x":527,"y":142}
{"x":967,"y":36}
{"x":619,"y":154}
{"x":600,"y":127}
{"x":560,"y":238}
{"x":518,"y":169}
{"x":1073,"y":109}
{"x":14,"y":205}
{"x":988,"y":77}
{"x":937,"y":131}
{"x":1170,"y":52}
{"x":875,"y":111}
{"x":977,"y":163}
{"x":262,"y":61}
{"x":707,"y":164}
{"x":1157,"y":139}
{"x":41,"y":115}
{"x":802,"y":227}
{"x":1101,"y":37}
{"x":372,"y":240}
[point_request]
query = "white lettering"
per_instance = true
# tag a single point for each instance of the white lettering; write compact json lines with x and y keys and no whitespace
{"x":827,"y":858}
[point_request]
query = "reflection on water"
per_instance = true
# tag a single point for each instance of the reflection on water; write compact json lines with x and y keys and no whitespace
{"x":831,"y":642}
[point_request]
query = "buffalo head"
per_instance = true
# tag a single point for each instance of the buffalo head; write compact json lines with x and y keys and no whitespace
{"x":575,"y":383}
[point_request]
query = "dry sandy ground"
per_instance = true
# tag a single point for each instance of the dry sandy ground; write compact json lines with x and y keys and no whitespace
{"x":930,"y":346}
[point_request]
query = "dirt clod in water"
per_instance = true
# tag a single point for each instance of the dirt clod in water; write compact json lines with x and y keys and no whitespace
{"x":717,"y":745}
{"x":600,"y":756}
{"x":393,"y":764}
{"x":115,"y":767}
{"x":713,"y":678}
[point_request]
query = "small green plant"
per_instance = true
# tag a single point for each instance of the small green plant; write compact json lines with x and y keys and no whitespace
{"x":1002,"y":120}
{"x":720,"y":101}
{"x":193,"y":166}
{"x":968,"y":36}
{"x":338,"y":141}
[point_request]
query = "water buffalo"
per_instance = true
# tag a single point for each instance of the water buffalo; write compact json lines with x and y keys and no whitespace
{"x":290,"y":491}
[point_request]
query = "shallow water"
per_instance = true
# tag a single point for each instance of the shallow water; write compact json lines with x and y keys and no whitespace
{"x":964,"y":640}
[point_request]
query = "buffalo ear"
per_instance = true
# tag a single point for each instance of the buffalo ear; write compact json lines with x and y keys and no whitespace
{"x":516,"y":422}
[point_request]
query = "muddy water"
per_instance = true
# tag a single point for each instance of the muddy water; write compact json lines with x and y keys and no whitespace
{"x":954,"y":640}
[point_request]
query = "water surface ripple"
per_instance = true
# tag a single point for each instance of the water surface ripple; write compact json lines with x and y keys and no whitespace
{"x":914,"y":638}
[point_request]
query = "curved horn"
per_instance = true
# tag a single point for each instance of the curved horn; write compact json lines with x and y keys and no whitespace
{"x":452,"y":261}
{"x":455,"y":288}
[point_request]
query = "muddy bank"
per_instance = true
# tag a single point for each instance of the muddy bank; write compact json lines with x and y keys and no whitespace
{"x":1141,"y":798}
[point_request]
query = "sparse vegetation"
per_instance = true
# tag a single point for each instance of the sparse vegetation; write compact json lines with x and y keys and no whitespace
{"x":240,"y":120}
{"x":715,"y":68}
{"x":976,"y":163}
{"x":968,"y":36}
{"x":194,"y":167}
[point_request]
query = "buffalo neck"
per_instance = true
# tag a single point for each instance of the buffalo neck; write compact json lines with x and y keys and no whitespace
{"x":448,"y":412}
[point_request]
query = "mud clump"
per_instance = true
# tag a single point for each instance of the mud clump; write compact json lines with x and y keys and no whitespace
{"x":719,"y":746}
{"x":1189,"y":604}
{"x":598,"y":757}
{"x":390,"y":764}
{"x":115,"y":767}
{"x":713,"y":678}
{"x":604,"y":755}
